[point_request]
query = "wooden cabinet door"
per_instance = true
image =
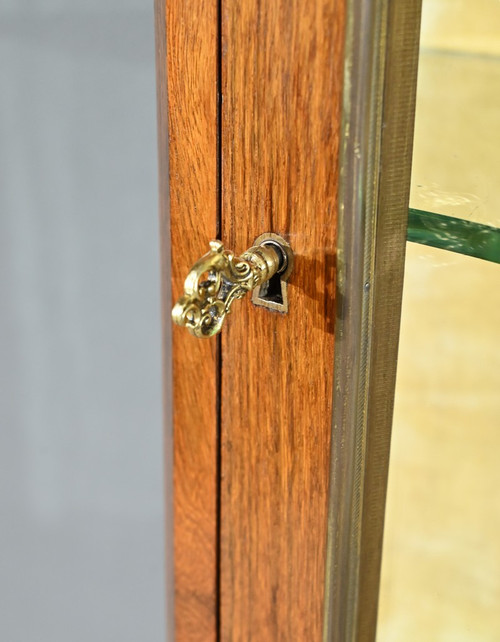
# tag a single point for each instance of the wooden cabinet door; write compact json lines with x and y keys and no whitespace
{"x":254,"y":93}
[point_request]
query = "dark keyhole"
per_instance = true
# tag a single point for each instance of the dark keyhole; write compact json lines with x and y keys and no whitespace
{"x":271,"y":290}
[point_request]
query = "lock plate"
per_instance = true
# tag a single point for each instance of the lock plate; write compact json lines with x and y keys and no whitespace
{"x":272,"y":294}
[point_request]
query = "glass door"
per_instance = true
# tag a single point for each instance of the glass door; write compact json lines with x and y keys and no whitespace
{"x":441,"y":552}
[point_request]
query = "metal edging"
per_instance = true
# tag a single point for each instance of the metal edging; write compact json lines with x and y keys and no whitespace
{"x":381,"y":58}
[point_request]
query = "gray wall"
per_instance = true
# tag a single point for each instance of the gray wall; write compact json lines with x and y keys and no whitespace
{"x":81,"y":481}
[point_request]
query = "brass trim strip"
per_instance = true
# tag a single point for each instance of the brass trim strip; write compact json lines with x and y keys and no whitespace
{"x":381,"y":58}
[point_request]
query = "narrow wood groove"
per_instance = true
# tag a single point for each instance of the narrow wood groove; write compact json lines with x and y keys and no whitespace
{"x":219,"y":345}
{"x":219,"y":119}
{"x":218,"y":486}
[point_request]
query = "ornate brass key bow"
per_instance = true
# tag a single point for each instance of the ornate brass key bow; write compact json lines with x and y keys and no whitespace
{"x":219,"y":278}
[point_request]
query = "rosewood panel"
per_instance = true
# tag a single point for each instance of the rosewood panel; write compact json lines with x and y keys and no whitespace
{"x":281,"y":70}
{"x":191,"y":70}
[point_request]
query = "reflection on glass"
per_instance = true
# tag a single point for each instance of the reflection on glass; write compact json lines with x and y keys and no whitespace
{"x":457,"y":127}
{"x":441,"y":557}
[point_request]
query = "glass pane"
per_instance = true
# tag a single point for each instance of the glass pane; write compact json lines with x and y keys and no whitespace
{"x":441,"y":557}
{"x":457,"y":128}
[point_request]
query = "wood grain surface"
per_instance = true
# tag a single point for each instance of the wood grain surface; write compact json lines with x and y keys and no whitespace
{"x":281,"y":77}
{"x":192,"y":46}
{"x":281,"y":86}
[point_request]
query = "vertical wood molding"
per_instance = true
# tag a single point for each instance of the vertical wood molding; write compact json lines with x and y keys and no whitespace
{"x":192,"y":51}
{"x":281,"y":87}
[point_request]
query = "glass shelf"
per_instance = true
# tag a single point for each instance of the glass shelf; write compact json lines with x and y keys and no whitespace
{"x":454,"y":234}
